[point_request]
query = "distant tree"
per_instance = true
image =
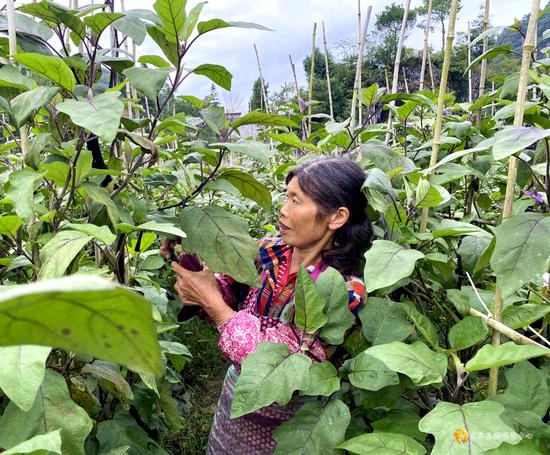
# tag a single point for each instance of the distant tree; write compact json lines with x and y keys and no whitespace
{"x":441,"y":10}
{"x":388,"y":27}
{"x":256,"y":99}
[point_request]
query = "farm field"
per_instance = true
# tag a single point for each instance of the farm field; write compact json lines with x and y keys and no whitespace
{"x":105,"y":154}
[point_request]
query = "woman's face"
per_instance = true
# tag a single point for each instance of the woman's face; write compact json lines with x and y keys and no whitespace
{"x":299,"y":223}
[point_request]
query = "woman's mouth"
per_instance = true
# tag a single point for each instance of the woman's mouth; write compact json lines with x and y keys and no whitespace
{"x":282,"y":228}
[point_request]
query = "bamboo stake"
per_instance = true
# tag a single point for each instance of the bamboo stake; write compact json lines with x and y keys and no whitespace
{"x":505,"y":330}
{"x":441,"y":103}
{"x":128,"y":86}
{"x":425,"y":50}
{"x":387,"y":80}
{"x":431,"y":70}
{"x":405,"y":81}
{"x":328,"y":72}
{"x":263,"y":92}
{"x":469,"y":63}
{"x":396,"y":65}
{"x":528,"y":48}
{"x":311,"y":74}
{"x":357,"y":84}
{"x":483,"y":72}
{"x":303,"y":129}
{"x":359,"y":40}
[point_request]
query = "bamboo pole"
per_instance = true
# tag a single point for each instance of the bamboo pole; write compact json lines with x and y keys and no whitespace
{"x":387,"y":80}
{"x":331,"y":110}
{"x":129,"y":92}
{"x":432,"y":80}
{"x":505,"y":330}
{"x":469,"y":63}
{"x":311,"y":75}
{"x":425,"y":50}
{"x":441,"y":103}
{"x":528,"y":48}
{"x":263,"y":91}
{"x":303,"y":129}
{"x":405,"y":81}
{"x":357,"y":84}
{"x":483,"y":71}
{"x":359,"y":40}
{"x":396,"y":65}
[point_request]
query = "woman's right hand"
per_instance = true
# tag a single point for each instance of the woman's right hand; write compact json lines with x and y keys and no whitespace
{"x":167,"y":249}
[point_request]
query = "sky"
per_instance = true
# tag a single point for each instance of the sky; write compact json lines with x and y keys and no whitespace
{"x":292,"y":24}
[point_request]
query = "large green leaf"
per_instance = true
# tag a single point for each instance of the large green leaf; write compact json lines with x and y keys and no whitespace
{"x":332,"y":287}
{"x":255,"y":150}
{"x":519,"y":316}
{"x":101,"y":115}
{"x":270,"y":374}
{"x":53,"y":408}
{"x":23,"y":105}
{"x":153,"y":226}
{"x":222,"y":241}
{"x":527,"y":390}
{"x":52,"y":68}
{"x":387,"y":262}
{"x":292,"y":140}
{"x":472,"y":428}
{"x":263,"y":118}
{"x":521,"y":251}
{"x":83,"y":314}
{"x":20,"y":191}
{"x":370,"y":95}
{"x":415,"y":360}
{"x":49,"y":442}
{"x":191,"y":21}
{"x":505,"y":354}
{"x":316,"y":428}
{"x":401,"y":422}
{"x":22,"y":373}
{"x":384,"y":157}
{"x":55,"y":14}
{"x":309,"y":304}
{"x":98,"y":22}
{"x":148,"y":81}
{"x":323,"y":379}
{"x":101,"y":196}
{"x":170,"y":49}
{"x":379,"y":443}
{"x":10,"y":76}
{"x":172,"y":14}
{"x":249,"y":187}
{"x":490,"y":54}
{"x":422,"y":323}
{"x":216,"y":73}
{"x":131,"y":26}
{"x":9,"y":225}
{"x":512,"y":139}
{"x":383,"y":321}
{"x":101,"y":233}
{"x":467,"y":332}
{"x":58,"y":253}
{"x":369,"y":373}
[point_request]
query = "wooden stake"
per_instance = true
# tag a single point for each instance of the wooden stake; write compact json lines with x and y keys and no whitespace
{"x":328,"y":72}
{"x":263,"y":94}
{"x":425,"y":50}
{"x":303,"y":128}
{"x":387,"y":80}
{"x":483,"y":73}
{"x":357,"y":86}
{"x":469,"y":62}
{"x":528,"y":48}
{"x":441,"y":103}
{"x":405,"y":81}
{"x":396,"y":66}
{"x":360,"y":39}
{"x":431,"y":70}
{"x":311,"y":75}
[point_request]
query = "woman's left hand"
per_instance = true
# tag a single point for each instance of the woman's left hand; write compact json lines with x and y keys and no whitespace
{"x":201,"y":288}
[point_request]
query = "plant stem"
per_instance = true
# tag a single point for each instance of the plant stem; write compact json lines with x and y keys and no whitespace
{"x":441,"y":104}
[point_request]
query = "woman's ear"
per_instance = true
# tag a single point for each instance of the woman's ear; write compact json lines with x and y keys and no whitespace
{"x":338,"y":218}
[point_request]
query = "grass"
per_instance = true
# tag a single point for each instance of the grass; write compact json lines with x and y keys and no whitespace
{"x":202,"y":381}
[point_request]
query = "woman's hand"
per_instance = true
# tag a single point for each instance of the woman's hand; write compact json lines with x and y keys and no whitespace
{"x":201,"y":288}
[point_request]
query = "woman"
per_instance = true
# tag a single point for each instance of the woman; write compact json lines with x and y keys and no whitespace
{"x":322,"y":223}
